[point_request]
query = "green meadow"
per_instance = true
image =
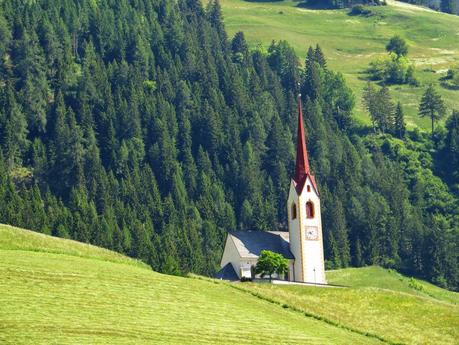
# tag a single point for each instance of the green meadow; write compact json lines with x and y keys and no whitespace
{"x":63,"y":292}
{"x":352,"y":42}
{"x":378,"y":301}
{"x":56,"y":291}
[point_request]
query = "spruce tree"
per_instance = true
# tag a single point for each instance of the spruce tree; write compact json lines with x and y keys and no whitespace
{"x":385,"y":109}
{"x":312,"y":84}
{"x":370,"y":101}
{"x":399,"y":121}
{"x":320,"y":57}
{"x":432,"y":106}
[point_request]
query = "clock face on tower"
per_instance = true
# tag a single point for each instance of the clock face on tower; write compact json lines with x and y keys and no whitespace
{"x":312,"y":233}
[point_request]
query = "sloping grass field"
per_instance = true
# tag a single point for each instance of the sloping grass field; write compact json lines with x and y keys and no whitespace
{"x":70,"y":293}
{"x":380,"y":302}
{"x":55,"y":291}
{"x":352,"y":42}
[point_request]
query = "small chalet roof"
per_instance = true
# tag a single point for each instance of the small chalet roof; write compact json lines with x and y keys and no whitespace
{"x":250,"y":243}
{"x":227,"y":273}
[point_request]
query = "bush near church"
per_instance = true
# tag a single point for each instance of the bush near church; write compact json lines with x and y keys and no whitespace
{"x":270,"y":263}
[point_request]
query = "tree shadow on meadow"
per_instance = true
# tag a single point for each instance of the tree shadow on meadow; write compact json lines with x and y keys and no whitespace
{"x":311,"y":4}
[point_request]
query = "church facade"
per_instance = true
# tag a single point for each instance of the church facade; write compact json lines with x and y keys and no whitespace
{"x":302,"y":245}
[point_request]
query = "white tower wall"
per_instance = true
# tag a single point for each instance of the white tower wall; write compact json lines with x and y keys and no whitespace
{"x":306,"y":239}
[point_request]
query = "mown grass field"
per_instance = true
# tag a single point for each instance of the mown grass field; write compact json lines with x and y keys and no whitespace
{"x":351,"y":43}
{"x":381,"y":302}
{"x":55,"y":291}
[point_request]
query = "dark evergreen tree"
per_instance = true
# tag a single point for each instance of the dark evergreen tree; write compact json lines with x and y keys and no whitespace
{"x":448,"y":6}
{"x":432,"y":106}
{"x":399,"y":121}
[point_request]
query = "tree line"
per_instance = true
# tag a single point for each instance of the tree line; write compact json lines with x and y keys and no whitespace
{"x":447,"y":6}
{"x":139,"y":126}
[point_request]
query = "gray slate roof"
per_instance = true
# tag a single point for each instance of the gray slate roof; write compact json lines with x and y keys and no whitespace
{"x":250,"y":243}
{"x":227,"y":273}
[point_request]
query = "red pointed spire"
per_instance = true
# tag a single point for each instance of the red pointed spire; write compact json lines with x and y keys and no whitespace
{"x":302,"y":163}
{"x":302,"y":170}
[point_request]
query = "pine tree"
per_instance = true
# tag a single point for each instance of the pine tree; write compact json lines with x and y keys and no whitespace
{"x":5,"y":37}
{"x":370,"y":101}
{"x":399,"y":121}
{"x":34,"y":85}
{"x":432,"y":106}
{"x":340,"y":233}
{"x":312,"y":84}
{"x":240,"y":48}
{"x":451,"y":149}
{"x":385,"y":109}
{"x":379,"y":105}
{"x":320,"y":57}
{"x":13,"y":127}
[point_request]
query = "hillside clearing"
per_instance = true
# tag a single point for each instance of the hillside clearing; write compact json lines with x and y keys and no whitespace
{"x":351,"y":43}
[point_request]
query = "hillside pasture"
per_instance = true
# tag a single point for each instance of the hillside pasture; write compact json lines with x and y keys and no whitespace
{"x":352,"y":42}
{"x":378,"y":301}
{"x":54,"y":297}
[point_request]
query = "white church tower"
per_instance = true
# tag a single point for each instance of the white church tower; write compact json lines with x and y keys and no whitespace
{"x":304,"y":217}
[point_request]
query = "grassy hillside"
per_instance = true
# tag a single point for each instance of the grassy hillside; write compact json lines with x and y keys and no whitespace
{"x":65,"y":292}
{"x":380,"y":302}
{"x":350,"y":43}
{"x":56,"y":291}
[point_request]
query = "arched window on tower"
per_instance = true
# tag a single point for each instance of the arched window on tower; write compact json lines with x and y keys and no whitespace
{"x":293,"y":211}
{"x":309,"y":210}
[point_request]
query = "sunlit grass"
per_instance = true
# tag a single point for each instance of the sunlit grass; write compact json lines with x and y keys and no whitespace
{"x":380,"y":302}
{"x":350,"y":43}
{"x":55,"y":291}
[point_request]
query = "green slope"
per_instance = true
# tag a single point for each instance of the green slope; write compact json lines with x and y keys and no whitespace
{"x":350,"y":43}
{"x":54,"y":291}
{"x":381,"y":302}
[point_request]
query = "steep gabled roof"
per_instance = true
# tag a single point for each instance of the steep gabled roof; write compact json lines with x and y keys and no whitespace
{"x":227,"y":273}
{"x":249,"y":244}
{"x":302,"y":169}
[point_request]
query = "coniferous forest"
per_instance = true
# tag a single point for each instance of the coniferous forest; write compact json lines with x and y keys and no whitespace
{"x":140,"y":126}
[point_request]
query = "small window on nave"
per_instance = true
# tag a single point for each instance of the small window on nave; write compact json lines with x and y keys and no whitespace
{"x":308,"y":188}
{"x":309,"y":210}
{"x":293,"y":211}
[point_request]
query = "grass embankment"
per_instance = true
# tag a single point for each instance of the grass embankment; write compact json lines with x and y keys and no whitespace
{"x":380,"y":302}
{"x":55,"y":291}
{"x":352,"y":42}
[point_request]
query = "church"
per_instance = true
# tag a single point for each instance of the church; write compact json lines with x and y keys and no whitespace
{"x":302,"y":245}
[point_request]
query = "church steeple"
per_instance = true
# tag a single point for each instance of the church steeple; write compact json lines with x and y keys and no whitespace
{"x":302,"y":162}
{"x":304,"y":216}
{"x":302,"y":170}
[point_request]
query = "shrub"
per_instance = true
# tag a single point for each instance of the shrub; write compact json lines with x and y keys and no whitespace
{"x":393,"y":70}
{"x":377,"y":69}
{"x":456,"y":80}
{"x":415,"y":285}
{"x":450,"y":74}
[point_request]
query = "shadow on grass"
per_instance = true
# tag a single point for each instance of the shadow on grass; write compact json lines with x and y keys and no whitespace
{"x":315,"y":5}
{"x":448,"y":86}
